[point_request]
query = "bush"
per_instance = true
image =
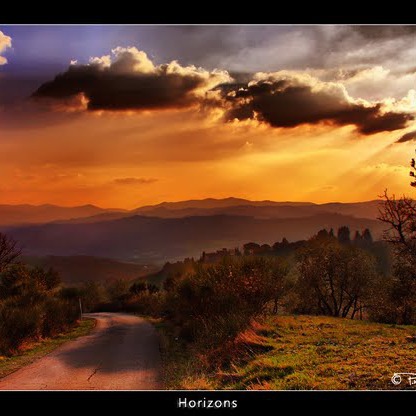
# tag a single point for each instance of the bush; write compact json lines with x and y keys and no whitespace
{"x":18,"y":325}
{"x":217,"y":302}
{"x":59,"y":314}
{"x":146,"y":303}
{"x":31,"y":306}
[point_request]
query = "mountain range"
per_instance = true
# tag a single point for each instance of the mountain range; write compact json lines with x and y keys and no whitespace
{"x":15,"y":215}
{"x":173,"y":230}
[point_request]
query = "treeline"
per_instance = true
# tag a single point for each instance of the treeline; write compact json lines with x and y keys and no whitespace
{"x":343,"y":235}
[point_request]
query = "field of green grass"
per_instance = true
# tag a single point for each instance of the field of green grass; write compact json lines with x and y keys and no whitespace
{"x":303,"y":352}
{"x":37,"y":350}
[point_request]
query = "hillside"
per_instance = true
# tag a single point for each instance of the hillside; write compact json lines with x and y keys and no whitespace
{"x":306,"y":353}
{"x":150,"y":239}
{"x":37,"y":214}
{"x":79,"y":269}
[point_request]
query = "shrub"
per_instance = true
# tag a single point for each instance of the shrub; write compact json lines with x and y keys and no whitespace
{"x":59,"y":314}
{"x":217,"y":302}
{"x":18,"y":325}
{"x":31,"y":306}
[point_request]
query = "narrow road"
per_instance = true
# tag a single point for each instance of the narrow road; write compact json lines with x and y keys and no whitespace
{"x":121,"y":353}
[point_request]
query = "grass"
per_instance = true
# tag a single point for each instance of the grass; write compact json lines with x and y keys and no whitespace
{"x":37,"y":350}
{"x":298,"y":353}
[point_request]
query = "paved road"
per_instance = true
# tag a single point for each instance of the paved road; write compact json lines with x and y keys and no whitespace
{"x":121,"y":353}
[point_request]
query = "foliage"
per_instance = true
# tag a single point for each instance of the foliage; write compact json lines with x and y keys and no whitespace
{"x":30,"y":306}
{"x":9,"y":251}
{"x":334,"y":278}
{"x":218,"y":301}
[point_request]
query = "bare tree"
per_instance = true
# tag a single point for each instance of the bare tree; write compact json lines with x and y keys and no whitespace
{"x":399,"y":296}
{"x":9,"y":251}
{"x":400,"y":216}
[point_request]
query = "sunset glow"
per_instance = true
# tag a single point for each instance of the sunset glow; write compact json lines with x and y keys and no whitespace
{"x":133,"y":116}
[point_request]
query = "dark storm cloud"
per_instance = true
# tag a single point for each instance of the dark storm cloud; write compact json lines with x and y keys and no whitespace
{"x":407,"y":137}
{"x":289,"y":102}
{"x":131,"y":81}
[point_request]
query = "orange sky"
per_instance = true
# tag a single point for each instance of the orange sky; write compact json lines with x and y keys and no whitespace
{"x":127,"y":160}
{"x":128,"y":128}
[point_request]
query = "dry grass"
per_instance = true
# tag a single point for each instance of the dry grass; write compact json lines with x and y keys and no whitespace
{"x":306,"y":352}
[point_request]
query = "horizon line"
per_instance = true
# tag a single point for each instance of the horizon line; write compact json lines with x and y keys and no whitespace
{"x":185,"y":200}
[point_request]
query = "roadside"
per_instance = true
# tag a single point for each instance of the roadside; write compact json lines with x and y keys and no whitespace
{"x":294,"y":353}
{"x":39,"y":349}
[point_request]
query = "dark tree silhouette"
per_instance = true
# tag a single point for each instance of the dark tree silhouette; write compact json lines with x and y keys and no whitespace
{"x":251,"y":248}
{"x":400,"y":217}
{"x":412,"y":172}
{"x":344,"y":235}
{"x":9,"y":251}
{"x":367,"y":237}
{"x":357,"y":238}
{"x":322,"y":234}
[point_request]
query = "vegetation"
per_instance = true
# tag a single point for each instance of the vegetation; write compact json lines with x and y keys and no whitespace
{"x":31,"y":304}
{"x":334,"y":279}
{"x":35,"y":350}
{"x":299,"y":353}
{"x":225,"y":321}
{"x":221,"y":332}
{"x":213,"y":305}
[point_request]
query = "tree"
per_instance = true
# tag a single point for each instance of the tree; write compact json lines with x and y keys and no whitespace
{"x":357,"y":238}
{"x":400,"y":217}
{"x":367,"y":237}
{"x":334,"y":278}
{"x":9,"y":251}
{"x":344,"y":235}
{"x":322,"y":234}
{"x":251,"y":248}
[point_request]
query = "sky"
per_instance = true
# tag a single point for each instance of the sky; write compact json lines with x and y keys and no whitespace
{"x":124,"y":116}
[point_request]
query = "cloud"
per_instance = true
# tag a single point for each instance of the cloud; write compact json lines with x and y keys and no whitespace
{"x":290,"y":98}
{"x":134,"y":181}
{"x":407,"y":137}
{"x":5,"y":42}
{"x":128,"y":80}
{"x":384,"y":31}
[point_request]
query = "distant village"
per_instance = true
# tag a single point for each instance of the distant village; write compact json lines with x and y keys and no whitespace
{"x":283,"y":247}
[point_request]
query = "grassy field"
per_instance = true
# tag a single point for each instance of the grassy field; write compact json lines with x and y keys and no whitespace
{"x":301,"y":352}
{"x":37,"y":350}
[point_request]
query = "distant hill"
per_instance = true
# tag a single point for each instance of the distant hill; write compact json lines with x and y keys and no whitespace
{"x":79,"y":269}
{"x":14,"y":215}
{"x":277,"y":210}
{"x":241,"y":207}
{"x":150,"y":239}
{"x":214,"y":203}
{"x":36,"y":214}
